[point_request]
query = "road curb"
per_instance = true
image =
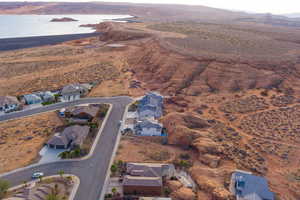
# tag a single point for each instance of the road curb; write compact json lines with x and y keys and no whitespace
{"x":97,"y":137}
{"x":113,"y":156}
{"x":112,"y":102}
{"x":71,"y":160}
{"x":70,"y":103}
{"x":74,"y":189}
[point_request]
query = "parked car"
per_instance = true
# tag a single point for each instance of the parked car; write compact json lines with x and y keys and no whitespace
{"x":36,"y":175}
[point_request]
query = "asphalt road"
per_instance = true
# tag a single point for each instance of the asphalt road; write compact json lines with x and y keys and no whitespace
{"x":8,"y":44}
{"x":92,"y":171}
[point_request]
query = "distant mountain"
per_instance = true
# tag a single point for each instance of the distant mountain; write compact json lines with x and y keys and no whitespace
{"x":292,"y":15}
{"x":274,"y":20}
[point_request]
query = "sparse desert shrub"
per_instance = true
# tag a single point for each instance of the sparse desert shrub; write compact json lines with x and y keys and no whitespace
{"x":275,"y":83}
{"x":185,"y":156}
{"x":182,"y":164}
{"x":235,"y":86}
{"x":160,"y":156}
{"x":167,"y":191}
{"x":264,"y":93}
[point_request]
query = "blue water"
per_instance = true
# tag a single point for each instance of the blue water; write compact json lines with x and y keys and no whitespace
{"x":12,"y":26}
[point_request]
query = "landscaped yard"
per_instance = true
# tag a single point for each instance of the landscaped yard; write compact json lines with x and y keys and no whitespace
{"x":94,"y":125}
{"x":44,"y":188}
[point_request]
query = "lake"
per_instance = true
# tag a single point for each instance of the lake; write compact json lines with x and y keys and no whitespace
{"x":14,"y":26}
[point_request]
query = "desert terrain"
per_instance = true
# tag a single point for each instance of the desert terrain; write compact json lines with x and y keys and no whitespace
{"x":232,"y":87}
{"x":22,"y":139}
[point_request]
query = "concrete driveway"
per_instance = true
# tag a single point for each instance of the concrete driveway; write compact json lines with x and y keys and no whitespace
{"x":49,"y":154}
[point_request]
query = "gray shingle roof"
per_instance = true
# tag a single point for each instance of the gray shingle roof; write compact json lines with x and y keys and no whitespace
{"x":75,"y":133}
{"x":45,"y":95}
{"x":58,"y":139}
{"x":153,"y":99}
{"x":90,"y":110}
{"x":148,"y":124}
{"x":32,"y":97}
{"x":142,"y":181}
{"x":8,"y":100}
{"x":144,"y":169}
{"x":73,"y":88}
{"x":147,"y":107}
{"x":251,"y":187}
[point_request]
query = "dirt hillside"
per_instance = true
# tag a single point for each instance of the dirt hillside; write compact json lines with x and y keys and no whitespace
{"x":233,"y":112}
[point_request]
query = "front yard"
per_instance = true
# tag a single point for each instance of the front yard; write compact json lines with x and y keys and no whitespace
{"x":22,"y":139}
{"x":58,"y":187}
{"x":95,"y":125}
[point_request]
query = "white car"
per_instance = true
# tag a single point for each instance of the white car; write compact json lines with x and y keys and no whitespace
{"x":36,"y":175}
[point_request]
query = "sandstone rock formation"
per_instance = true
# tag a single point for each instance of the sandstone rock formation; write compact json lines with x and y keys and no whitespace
{"x":174,"y":185}
{"x":210,"y":160}
{"x":183,"y":194}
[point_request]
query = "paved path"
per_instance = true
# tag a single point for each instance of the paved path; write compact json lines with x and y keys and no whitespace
{"x":92,"y":171}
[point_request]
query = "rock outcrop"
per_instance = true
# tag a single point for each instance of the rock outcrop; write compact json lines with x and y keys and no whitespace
{"x":173,"y":185}
{"x":64,"y":19}
{"x":183,"y":194}
{"x":114,"y":32}
{"x":210,"y":160}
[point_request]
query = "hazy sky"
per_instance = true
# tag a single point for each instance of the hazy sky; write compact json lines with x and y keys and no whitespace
{"x":273,"y":6}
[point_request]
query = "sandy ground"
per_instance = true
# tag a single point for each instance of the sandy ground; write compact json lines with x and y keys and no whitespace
{"x":22,"y":139}
{"x":49,"y":68}
{"x":136,"y":149}
{"x":280,"y":171}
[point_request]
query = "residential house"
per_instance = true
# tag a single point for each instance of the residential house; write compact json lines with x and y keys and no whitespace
{"x":9,"y":104}
{"x":152,"y":98}
{"x":150,"y":106}
{"x":146,"y":186}
{"x":148,"y":128}
{"x":162,"y":170}
{"x":246,"y":186}
{"x":73,"y":92}
{"x":71,"y":136}
{"x":145,"y":179}
{"x":46,"y":96}
{"x":83,"y":112}
{"x":32,"y":99}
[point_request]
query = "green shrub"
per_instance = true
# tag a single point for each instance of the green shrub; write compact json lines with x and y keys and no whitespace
{"x":108,"y":196}
{"x":48,"y":103}
{"x":114,"y":169}
{"x":4,"y":185}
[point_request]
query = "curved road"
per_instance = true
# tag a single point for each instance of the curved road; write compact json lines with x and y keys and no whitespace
{"x":91,"y":171}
